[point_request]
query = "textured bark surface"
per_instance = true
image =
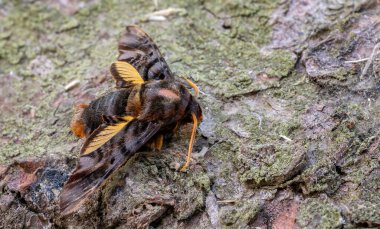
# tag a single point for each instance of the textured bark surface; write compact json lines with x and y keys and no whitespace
{"x":291,"y":132}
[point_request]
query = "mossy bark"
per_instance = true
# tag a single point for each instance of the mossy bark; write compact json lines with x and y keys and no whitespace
{"x":290,"y":137}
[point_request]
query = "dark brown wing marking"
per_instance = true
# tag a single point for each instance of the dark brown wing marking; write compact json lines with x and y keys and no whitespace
{"x":94,"y":168}
{"x":139,"y":50}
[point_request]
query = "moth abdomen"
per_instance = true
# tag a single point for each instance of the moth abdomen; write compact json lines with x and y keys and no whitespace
{"x":77,"y":124}
{"x":91,"y":116}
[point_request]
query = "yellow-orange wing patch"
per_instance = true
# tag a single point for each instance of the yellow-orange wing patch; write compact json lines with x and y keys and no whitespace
{"x":125,"y":74}
{"x":103,"y":134}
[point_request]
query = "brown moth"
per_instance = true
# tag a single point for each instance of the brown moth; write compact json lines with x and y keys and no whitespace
{"x":148,"y":105}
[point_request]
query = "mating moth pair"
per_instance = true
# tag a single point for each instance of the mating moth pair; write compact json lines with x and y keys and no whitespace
{"x":149,"y":105}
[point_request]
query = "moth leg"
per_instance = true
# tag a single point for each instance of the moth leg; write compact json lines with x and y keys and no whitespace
{"x":158,"y":142}
{"x":77,"y":124}
{"x":177,"y":125}
{"x":194,"y":86}
{"x":195,"y":124}
{"x":155,"y":144}
{"x":150,"y":146}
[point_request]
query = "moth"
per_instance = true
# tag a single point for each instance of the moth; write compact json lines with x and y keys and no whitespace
{"x":149,"y":104}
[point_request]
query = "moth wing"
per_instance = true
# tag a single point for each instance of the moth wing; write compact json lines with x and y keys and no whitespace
{"x":95,"y":168}
{"x":138,"y":49}
{"x":125,"y":74}
{"x":104,"y":133}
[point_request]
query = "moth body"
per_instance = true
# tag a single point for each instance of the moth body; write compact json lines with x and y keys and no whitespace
{"x":147,"y":107}
{"x":155,"y":100}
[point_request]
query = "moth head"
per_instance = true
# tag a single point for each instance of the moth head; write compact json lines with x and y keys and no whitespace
{"x":197,"y":110}
{"x":194,"y":107}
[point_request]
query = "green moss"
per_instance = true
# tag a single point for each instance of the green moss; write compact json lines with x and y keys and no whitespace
{"x":342,"y":24}
{"x":268,"y":164}
{"x":24,"y":26}
{"x":359,"y":171}
{"x":71,"y":23}
{"x":203,"y":181}
{"x":278,"y":63}
{"x":322,"y":177}
{"x":224,"y":151}
{"x":370,"y":185}
{"x":318,"y":213}
{"x":342,"y":73}
{"x":153,"y":180}
{"x":288,"y":128}
{"x":232,"y":64}
{"x":259,"y":72}
{"x":240,"y":214}
{"x":365,"y":213}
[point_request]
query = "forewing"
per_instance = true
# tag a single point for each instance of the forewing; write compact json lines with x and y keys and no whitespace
{"x":93,"y":169}
{"x":139,"y":50}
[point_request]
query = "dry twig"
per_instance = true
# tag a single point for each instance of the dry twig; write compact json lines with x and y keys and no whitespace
{"x":370,"y":60}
